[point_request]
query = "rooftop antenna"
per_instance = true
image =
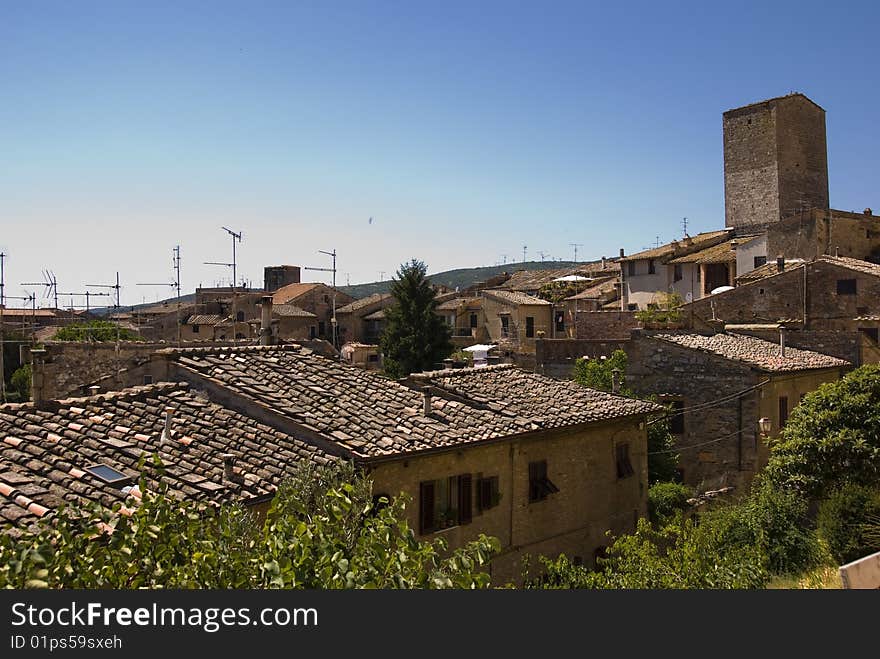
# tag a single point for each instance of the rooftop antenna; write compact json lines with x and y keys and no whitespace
{"x":576,"y":245}
{"x":87,"y":295}
{"x":684,"y":225}
{"x":524,"y":253}
{"x":657,"y":242}
{"x":233,"y":265}
{"x":333,"y":270}
{"x":175,"y":261}
{"x":50,"y":283}
{"x":542,"y":255}
{"x":504,"y":259}
{"x":381,"y":275}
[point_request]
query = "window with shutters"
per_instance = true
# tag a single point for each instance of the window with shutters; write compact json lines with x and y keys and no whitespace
{"x":677,"y":274}
{"x":624,"y":465}
{"x":487,"y":493}
{"x":505,"y":325}
{"x":445,"y":502}
{"x":540,"y":486}
{"x":530,"y":327}
{"x":652,"y":267}
{"x":676,"y":417}
{"x":783,"y":411}
{"x":473,"y":321}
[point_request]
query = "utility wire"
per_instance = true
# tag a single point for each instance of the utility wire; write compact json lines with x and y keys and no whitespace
{"x":687,"y":448}
{"x":713,"y":403}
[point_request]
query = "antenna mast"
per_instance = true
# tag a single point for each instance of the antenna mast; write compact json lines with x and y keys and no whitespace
{"x":233,"y":265}
{"x":333,"y":270}
{"x":175,"y":260}
{"x":576,"y":245}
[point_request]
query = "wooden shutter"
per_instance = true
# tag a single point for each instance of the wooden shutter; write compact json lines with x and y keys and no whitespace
{"x":465,"y":499}
{"x":426,"y":507}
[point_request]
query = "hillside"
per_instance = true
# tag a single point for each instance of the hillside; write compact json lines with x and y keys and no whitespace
{"x":462,"y":277}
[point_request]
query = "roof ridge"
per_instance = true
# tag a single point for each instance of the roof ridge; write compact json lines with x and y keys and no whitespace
{"x":447,"y":372}
{"x":128,"y":393}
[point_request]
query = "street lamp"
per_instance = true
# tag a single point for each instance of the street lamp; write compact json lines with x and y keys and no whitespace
{"x":764,"y":425}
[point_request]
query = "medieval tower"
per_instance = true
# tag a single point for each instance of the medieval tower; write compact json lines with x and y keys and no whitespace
{"x":775,"y":161}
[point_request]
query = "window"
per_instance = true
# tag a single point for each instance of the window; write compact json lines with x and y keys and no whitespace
{"x":846,"y":286}
{"x":505,"y":325}
{"x":530,"y":327}
{"x":699,"y":272}
{"x":676,"y":272}
{"x":540,"y":487}
{"x":487,"y":493}
{"x":631,"y":268}
{"x":326,"y":299}
{"x":783,"y":411}
{"x":322,"y":328}
{"x":372,"y":358}
{"x":108,"y":474}
{"x":624,"y":466}
{"x":632,"y":306}
{"x":445,"y":502}
{"x":759,"y":261}
{"x":450,"y":320}
{"x":676,"y":417}
{"x":871,"y":332}
{"x":560,"y":321}
{"x":195,"y":329}
{"x":473,"y":321}
{"x":148,"y":379}
{"x":312,"y":332}
{"x":652,"y":267}
{"x":239,"y":317}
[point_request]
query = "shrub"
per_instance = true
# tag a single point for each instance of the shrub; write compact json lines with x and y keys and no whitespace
{"x":843,"y":522}
{"x":665,"y":499}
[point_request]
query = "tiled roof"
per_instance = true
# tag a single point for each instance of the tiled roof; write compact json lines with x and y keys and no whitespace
{"x":720,"y":253}
{"x":514,"y":297}
{"x":767,"y":270}
{"x":28,"y":313}
{"x":532,"y":280}
{"x":291,"y":292}
{"x":291,"y":310}
{"x":546,"y":402}
{"x":376,"y":315}
{"x":44,"y":453}
{"x":865,"y":267}
{"x":357,"y":305}
{"x":456,"y":303}
{"x":365,"y":413}
{"x":205,"y":319}
{"x":597,"y":291}
{"x":764,"y":355}
{"x":680,"y":247}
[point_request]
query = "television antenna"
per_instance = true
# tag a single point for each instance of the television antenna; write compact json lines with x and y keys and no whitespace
{"x":234,"y":265}
{"x":542,"y":255}
{"x":684,"y":225}
{"x":576,"y":245}
{"x":524,"y":253}
{"x":333,"y":270}
{"x":175,"y":261}
{"x":50,"y":283}
{"x":115,"y":287}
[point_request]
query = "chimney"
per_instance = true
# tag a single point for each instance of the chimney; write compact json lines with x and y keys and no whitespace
{"x":621,"y":252}
{"x":427,"y":392}
{"x":604,"y":262}
{"x":228,"y":466}
{"x":266,"y":338}
{"x":837,"y":251}
{"x":780,"y":263}
{"x":37,"y":375}
{"x":169,"y":419}
{"x":782,"y":342}
{"x":615,"y":381}
{"x":94,"y":390}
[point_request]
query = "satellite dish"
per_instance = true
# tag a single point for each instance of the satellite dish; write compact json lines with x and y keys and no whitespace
{"x":721,"y":289}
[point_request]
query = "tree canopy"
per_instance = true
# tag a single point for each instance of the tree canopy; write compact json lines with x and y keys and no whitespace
{"x":96,"y":330}
{"x":415,"y":337}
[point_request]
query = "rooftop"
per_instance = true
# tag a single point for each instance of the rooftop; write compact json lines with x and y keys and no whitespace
{"x":532,"y":280}
{"x":44,"y":453}
{"x":357,"y":305}
{"x":865,"y":267}
{"x":767,"y":270}
{"x":205,"y":319}
{"x":761,"y":354}
{"x":291,"y":311}
{"x":546,"y":402}
{"x":686,"y":245}
{"x":291,"y":292}
{"x":514,"y":297}
{"x":721,"y":253}
{"x":774,"y":100}
{"x":457,"y":303}
{"x":597,"y":291}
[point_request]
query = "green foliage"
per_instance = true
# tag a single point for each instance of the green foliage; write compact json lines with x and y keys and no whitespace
{"x":96,"y":330}
{"x":773,"y":521}
{"x":664,"y":309}
{"x":666,"y":499}
{"x":844,"y":522}
{"x":323,"y":530}
{"x":557,"y":291}
{"x":598,"y":374}
{"x":832,"y":437}
{"x":21,"y":383}
{"x":415,"y":337}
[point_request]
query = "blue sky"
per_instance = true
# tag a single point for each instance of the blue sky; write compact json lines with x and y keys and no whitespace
{"x":465,"y":130}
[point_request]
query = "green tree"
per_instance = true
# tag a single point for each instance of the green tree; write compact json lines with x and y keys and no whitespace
{"x":844,"y":522}
{"x":96,"y":330}
{"x":323,"y":530}
{"x":415,"y":337}
{"x":599,"y":374}
{"x":21,"y":383}
{"x":832,"y":437}
{"x":665,"y":499}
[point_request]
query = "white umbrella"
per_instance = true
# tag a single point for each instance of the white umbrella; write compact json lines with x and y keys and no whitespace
{"x":572,"y":278}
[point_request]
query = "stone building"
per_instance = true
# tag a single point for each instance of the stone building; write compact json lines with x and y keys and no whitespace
{"x":838,"y":297}
{"x":356,"y":321}
{"x":775,"y":161}
{"x":723,"y":384}
{"x":826,"y":232}
{"x":466,"y":320}
{"x":515,"y":320}
{"x":315,"y":298}
{"x":545,"y":466}
{"x":293,"y":323}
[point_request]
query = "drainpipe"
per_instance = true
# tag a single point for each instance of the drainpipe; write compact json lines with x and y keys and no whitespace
{"x":782,"y":342}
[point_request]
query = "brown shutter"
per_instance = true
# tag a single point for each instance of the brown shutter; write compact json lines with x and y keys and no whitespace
{"x":465,"y":499}
{"x":426,"y":507}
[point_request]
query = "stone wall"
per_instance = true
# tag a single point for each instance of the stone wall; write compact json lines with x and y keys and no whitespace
{"x":581,"y":463}
{"x":802,"y":155}
{"x":820,"y":231}
{"x":555,"y":358}
{"x":838,"y":343}
{"x":605,"y":325}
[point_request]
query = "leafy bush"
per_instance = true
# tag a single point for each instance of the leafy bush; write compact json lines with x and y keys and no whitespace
{"x":832,"y":437}
{"x":96,"y":330}
{"x":323,"y":530}
{"x":665,"y":499}
{"x":844,"y":519}
{"x":664,"y":309}
{"x":21,"y":382}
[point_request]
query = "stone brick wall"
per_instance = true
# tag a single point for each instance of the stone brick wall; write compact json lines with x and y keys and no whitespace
{"x":605,"y":325}
{"x":838,"y":343}
{"x":555,"y":358}
{"x":802,"y":156}
{"x":821,"y":231}
{"x":591,"y":499}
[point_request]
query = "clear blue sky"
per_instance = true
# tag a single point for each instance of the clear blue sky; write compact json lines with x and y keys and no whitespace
{"x":466,"y":130}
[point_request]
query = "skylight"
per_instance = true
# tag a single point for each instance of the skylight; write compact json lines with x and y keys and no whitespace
{"x":107,"y":473}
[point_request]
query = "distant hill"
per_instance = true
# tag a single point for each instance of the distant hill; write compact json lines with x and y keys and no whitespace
{"x":463,"y":277}
{"x":184,"y":299}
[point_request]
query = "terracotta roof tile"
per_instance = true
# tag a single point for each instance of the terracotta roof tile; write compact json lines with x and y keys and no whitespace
{"x":514,"y":297}
{"x":680,"y":247}
{"x":364,"y":302}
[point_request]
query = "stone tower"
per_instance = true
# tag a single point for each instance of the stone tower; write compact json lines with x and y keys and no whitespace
{"x":775,"y":161}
